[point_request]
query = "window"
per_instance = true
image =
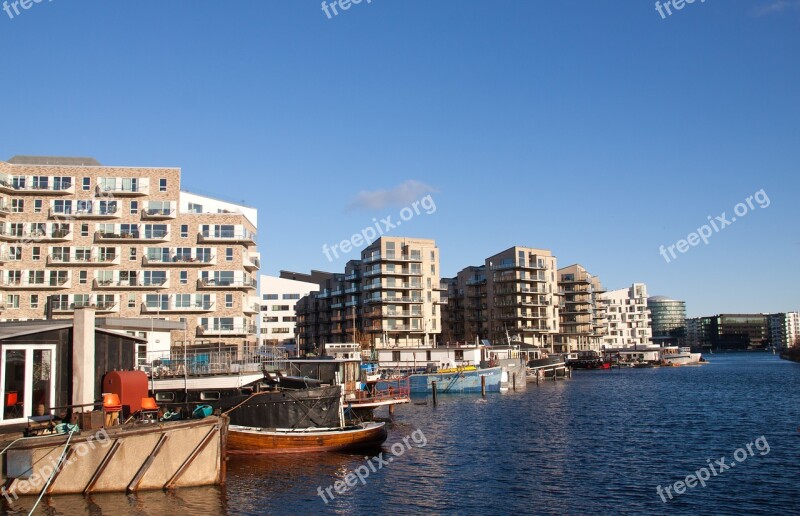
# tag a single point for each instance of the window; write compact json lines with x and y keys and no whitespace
{"x":87,"y":183}
{"x":36,"y":253}
{"x":62,"y":206}
{"x":162,"y":185}
{"x":37,"y":206}
{"x":184,"y":278}
{"x":41,"y":182}
{"x":17,"y":205}
{"x":229,"y":254}
{"x":62,"y":183}
{"x":291,"y":296}
{"x":228,"y":300}
{"x":15,"y":253}
{"x":195,"y":208}
{"x":184,"y":231}
{"x":280,"y":308}
{"x":280,"y":330}
{"x":83,"y":277}
{"x":84,"y":230}
{"x":290,"y":319}
{"x":34,"y":300}
{"x":132,"y":254}
{"x":12,"y":301}
{"x":433,"y":270}
{"x":134,"y":207}
{"x":270,"y":297}
{"x":395,"y":356}
{"x":131,"y":300}
{"x":271,"y":319}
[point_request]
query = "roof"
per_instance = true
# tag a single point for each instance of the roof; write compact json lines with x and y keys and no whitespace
{"x":662,"y":298}
{"x":13,"y":330}
{"x":54,"y":160}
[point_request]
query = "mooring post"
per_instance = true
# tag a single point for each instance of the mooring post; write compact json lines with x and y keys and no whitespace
{"x":483,"y":386}
{"x":514,"y":381}
{"x":537,"y":377}
{"x":433,"y":388}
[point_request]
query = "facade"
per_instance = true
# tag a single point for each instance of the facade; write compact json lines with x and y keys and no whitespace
{"x":668,"y":320}
{"x":582,"y":310}
{"x":128,"y":242}
{"x":389,"y":298}
{"x":279,"y":297}
{"x":784,"y":329}
{"x":729,"y":332}
{"x":513,"y":295}
{"x":627,"y":317}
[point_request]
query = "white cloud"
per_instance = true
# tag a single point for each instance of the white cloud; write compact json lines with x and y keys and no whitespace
{"x":776,"y":6}
{"x":401,"y":195}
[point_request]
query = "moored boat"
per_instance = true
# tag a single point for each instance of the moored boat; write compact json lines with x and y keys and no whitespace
{"x":457,"y":381}
{"x":674,"y":356}
{"x":249,"y":440}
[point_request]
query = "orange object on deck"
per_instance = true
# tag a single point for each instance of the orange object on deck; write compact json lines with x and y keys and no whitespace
{"x":129,"y":386}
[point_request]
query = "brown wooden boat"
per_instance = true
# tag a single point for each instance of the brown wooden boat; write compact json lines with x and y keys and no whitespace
{"x":249,"y":440}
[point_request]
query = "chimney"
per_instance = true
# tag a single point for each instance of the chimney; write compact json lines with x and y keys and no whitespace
{"x":83,"y":358}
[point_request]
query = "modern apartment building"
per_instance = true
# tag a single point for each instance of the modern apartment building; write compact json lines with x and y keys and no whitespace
{"x":279,"y":297}
{"x":784,"y":329}
{"x":389,"y":298}
{"x":582,"y":310}
{"x":129,"y":242}
{"x":668,"y":320}
{"x":627,"y":317}
{"x":514,"y":294}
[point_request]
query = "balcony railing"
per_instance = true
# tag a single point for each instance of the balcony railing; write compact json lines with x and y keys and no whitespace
{"x":49,"y":188}
{"x":132,"y":283}
{"x":46,"y":283}
{"x":179,"y":260}
{"x":159,"y":213}
{"x":79,"y":260}
{"x":226,"y":283}
{"x":251,"y":263}
{"x":198,"y":306}
{"x":226,"y":330}
{"x":227,"y":236}
{"x":129,"y":189}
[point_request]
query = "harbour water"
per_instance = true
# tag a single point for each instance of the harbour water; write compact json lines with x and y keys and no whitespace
{"x":600,"y":443}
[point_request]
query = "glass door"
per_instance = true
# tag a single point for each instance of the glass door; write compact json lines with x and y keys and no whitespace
{"x":27,"y":382}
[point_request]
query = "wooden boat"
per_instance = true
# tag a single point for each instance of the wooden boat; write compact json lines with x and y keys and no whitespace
{"x":249,"y":440}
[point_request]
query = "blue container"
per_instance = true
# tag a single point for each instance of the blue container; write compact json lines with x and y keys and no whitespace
{"x":202,"y":411}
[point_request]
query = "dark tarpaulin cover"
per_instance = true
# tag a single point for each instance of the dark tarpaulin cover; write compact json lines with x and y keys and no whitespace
{"x":307,"y":408}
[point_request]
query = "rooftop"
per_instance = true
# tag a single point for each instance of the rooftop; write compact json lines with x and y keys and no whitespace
{"x":54,"y":160}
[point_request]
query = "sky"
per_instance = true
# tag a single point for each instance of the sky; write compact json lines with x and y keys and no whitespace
{"x":599,"y":130}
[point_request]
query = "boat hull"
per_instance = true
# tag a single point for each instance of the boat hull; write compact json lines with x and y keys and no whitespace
{"x":245,"y":440}
{"x":460,"y":382}
{"x":681,"y":359}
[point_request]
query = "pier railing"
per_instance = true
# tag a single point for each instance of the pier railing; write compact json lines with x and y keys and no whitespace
{"x":214,"y":360}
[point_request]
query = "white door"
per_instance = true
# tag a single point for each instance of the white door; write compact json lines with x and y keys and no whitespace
{"x":27,"y":381}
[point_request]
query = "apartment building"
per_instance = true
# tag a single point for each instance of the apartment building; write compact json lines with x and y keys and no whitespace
{"x":279,"y":297}
{"x":513,"y":295}
{"x":627,"y":317}
{"x":582,"y":310}
{"x":391,"y":297}
{"x":129,"y":242}
{"x":784,"y":329}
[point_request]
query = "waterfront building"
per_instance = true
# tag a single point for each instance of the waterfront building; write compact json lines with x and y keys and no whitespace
{"x":129,"y":243}
{"x":514,"y":294}
{"x":627,"y":317}
{"x":784,"y":329}
{"x":279,"y":297}
{"x":668,"y":320}
{"x":391,"y":297}
{"x":725,"y":332}
{"x":582,"y":310}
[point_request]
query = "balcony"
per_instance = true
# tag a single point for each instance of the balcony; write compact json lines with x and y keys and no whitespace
{"x":405,"y":258}
{"x":134,"y":284}
{"x":227,"y":237}
{"x":443,"y":301}
{"x":32,"y":237}
{"x":92,"y":213}
{"x":82,"y":261}
{"x":49,"y":188}
{"x":352,"y":290}
{"x":226,"y":284}
{"x":177,"y":260}
{"x":172,"y":307}
{"x":251,"y":308}
{"x":45,"y":284}
{"x":3,"y":257}
{"x":372,"y":273}
{"x":133,"y":236}
{"x":226,"y":330}
{"x":159,"y":214}
{"x":476,"y":281}
{"x":251,"y":263}
{"x":129,"y":190}
{"x":4,"y":209}
{"x":353,"y":277}
{"x":393,"y":300}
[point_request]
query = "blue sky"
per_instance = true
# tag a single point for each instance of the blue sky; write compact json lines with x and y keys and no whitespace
{"x":596,"y":129}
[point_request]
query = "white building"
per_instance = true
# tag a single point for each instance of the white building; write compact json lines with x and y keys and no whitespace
{"x":627,"y":317}
{"x":278,"y":317}
{"x":784,"y":329}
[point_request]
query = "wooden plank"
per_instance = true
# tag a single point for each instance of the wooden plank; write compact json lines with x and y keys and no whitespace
{"x":102,"y":467}
{"x":192,"y":456}
{"x":134,"y":485}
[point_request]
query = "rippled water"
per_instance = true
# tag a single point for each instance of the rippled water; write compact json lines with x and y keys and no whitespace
{"x":599,"y":443}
